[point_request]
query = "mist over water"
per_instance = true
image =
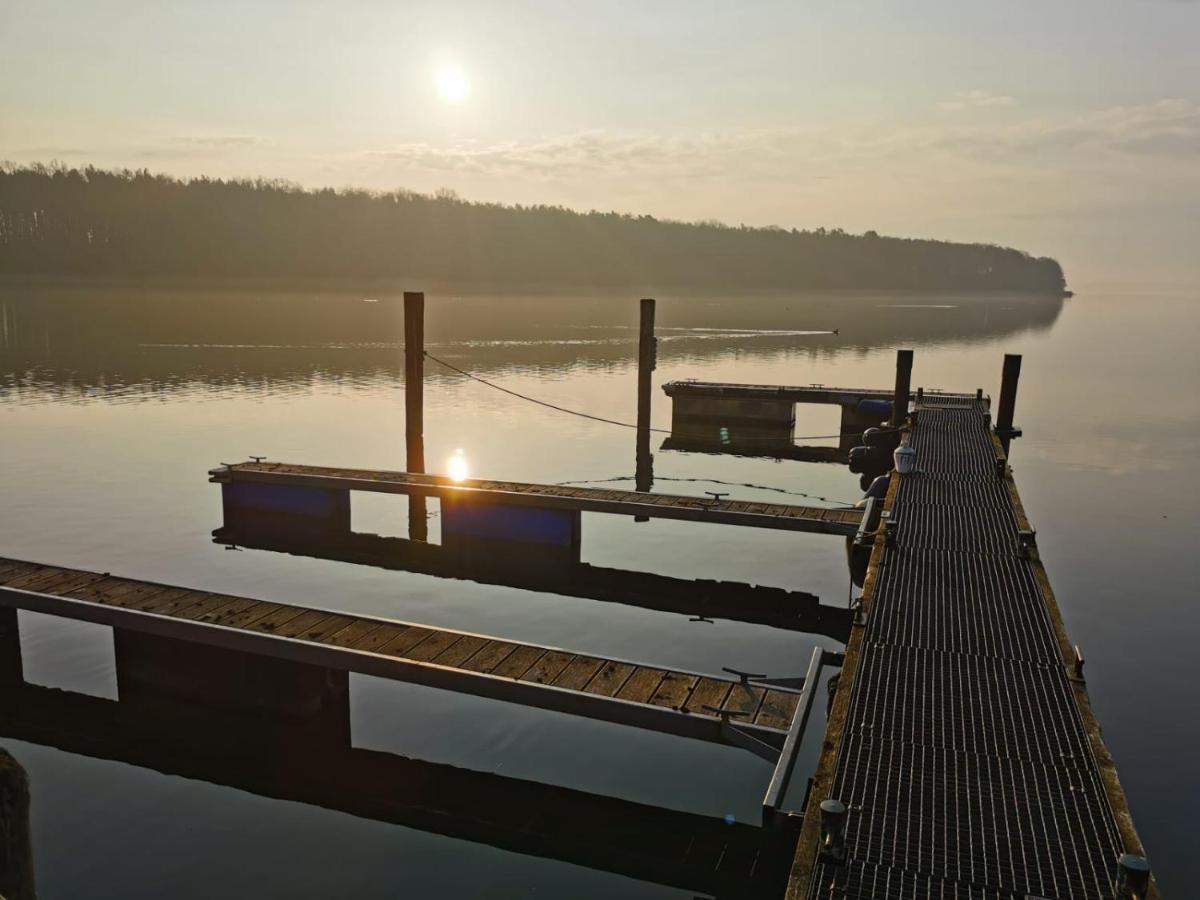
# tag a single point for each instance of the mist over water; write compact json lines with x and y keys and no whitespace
{"x":114,"y":403}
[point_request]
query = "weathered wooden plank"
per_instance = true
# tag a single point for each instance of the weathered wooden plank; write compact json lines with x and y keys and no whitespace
{"x":11,"y":569}
{"x":400,"y":643}
{"x":43,"y":580}
{"x":377,"y":638}
{"x":303,"y":623}
{"x":777,"y":709}
{"x":673,"y":690}
{"x":433,"y":644}
{"x":345,"y":637}
{"x":744,"y":699}
{"x":708,"y":692}
{"x":609,"y":679}
{"x":326,"y":627}
{"x":167,"y":599}
{"x":578,"y":672}
{"x":206,"y":603}
{"x":274,"y":619}
{"x":227,"y":612}
{"x":489,"y":656}
{"x":460,"y":650}
{"x":251,"y":614}
{"x":548,"y":667}
{"x":641,"y":685}
{"x":518,"y":662}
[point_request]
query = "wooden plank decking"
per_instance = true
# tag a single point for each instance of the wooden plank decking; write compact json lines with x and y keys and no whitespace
{"x":440,"y":657}
{"x":548,"y":496}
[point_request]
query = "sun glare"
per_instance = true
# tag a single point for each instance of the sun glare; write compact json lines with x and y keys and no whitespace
{"x":452,"y":84}
{"x":457,"y":466}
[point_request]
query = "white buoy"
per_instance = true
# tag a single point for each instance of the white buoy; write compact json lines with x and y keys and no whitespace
{"x":905,"y":458}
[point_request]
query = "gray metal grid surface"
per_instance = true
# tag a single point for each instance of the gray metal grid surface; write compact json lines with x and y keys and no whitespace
{"x":964,"y":760}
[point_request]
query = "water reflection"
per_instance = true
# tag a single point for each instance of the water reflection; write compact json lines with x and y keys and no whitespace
{"x":132,"y":343}
{"x":253,"y":752}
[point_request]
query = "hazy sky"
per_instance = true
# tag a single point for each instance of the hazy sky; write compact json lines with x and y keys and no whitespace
{"x":1069,"y":128}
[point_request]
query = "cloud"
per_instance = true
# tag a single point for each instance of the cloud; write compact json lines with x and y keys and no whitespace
{"x":975,"y":99}
{"x":1168,"y":129}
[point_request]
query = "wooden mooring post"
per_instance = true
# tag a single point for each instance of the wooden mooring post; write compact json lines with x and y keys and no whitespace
{"x":16,"y":846}
{"x":414,"y":405}
{"x":904,"y":361}
{"x":1008,"y":399}
{"x":647,"y":360}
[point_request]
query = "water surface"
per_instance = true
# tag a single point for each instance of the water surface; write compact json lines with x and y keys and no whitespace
{"x":114,"y":402}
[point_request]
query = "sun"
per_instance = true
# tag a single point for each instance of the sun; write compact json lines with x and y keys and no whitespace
{"x":452,"y":84}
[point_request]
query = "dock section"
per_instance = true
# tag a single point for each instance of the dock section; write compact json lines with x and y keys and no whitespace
{"x":962,"y":758}
{"x":760,"y":419}
{"x":689,"y":704}
{"x":324,"y":491}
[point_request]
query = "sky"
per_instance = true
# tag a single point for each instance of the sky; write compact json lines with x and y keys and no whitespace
{"x":1068,"y":128}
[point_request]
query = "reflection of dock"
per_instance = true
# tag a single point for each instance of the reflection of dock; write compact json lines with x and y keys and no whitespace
{"x":684,"y":850}
{"x":757,"y":604}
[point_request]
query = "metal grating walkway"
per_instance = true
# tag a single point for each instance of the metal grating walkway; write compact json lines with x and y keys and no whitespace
{"x":964,"y":761}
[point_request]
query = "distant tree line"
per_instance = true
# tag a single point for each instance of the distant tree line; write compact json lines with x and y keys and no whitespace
{"x":58,"y":220}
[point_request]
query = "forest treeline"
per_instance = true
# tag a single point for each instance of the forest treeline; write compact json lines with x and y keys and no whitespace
{"x":56,"y":220}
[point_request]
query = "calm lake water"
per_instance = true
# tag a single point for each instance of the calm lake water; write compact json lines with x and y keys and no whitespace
{"x":115,"y":403}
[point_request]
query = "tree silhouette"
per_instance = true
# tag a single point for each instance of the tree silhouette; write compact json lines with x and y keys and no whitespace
{"x":68,"y":221}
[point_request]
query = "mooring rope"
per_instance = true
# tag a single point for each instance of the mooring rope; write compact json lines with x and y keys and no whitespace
{"x":594,"y":418}
{"x":745,"y":484}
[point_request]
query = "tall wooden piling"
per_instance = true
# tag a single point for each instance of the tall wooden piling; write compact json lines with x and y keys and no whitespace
{"x":904,"y":361}
{"x":16,"y":846}
{"x":1008,"y":398}
{"x":647,"y":359}
{"x":414,"y":405}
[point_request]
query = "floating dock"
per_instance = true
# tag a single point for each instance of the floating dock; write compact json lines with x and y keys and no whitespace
{"x":962,"y":758}
{"x":477,"y":493}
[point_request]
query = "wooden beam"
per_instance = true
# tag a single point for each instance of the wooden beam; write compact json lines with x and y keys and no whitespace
{"x":414,"y":405}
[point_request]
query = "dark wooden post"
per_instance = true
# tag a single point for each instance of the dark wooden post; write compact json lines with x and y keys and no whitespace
{"x":414,"y":405}
{"x":644,"y":477}
{"x":1008,"y":398}
{"x":904,"y":360}
{"x":10,"y":648}
{"x":16,"y":847}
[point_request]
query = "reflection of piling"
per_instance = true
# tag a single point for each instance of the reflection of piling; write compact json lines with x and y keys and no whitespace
{"x":10,"y":647}
{"x":644,"y":477}
{"x":1008,"y":398}
{"x":414,"y":400}
{"x":16,"y":848}
{"x":904,"y":361}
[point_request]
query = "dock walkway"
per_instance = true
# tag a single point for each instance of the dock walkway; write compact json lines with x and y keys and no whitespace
{"x":961,"y":739}
{"x":689,"y":704}
{"x":789,"y":517}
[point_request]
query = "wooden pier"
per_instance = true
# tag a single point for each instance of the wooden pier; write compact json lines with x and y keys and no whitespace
{"x":962,"y":758}
{"x":760,"y":419}
{"x":513,"y":494}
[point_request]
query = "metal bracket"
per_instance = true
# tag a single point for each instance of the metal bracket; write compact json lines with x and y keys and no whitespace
{"x":743,"y":677}
{"x":739,"y":737}
{"x":773,"y":801}
{"x":257,"y":459}
{"x":794,"y":682}
{"x":716,"y":496}
{"x":702,"y":619}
